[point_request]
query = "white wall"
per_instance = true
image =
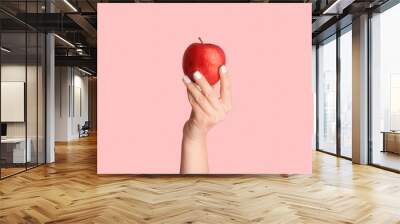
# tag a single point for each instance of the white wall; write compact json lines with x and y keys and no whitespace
{"x":9,"y":73}
{"x":16,"y":72}
{"x":62,"y":82}
{"x":34,"y":126}
{"x":71,"y":102}
{"x":80,"y":103}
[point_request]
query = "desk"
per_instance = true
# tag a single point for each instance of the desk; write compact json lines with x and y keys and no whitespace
{"x":391,"y":141}
{"x":13,"y":150}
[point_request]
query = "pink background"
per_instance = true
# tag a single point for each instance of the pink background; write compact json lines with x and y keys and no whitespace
{"x":142,"y":102}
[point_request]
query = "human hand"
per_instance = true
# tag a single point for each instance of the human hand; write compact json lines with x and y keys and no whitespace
{"x":208,"y":107}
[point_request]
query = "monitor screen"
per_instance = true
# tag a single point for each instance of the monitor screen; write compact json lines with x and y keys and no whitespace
{"x":3,"y":129}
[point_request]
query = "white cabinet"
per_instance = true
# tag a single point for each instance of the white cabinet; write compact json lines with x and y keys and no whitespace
{"x":17,"y":145}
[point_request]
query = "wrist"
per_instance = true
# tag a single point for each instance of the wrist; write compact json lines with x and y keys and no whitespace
{"x":194,"y":133}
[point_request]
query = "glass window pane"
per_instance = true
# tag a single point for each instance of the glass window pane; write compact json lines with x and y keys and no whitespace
{"x":22,"y":90}
{"x":31,"y":89}
{"x":32,"y":95}
{"x":41,"y":98}
{"x":14,"y":153}
{"x":314,"y":66}
{"x":327,"y":96}
{"x":346,"y":94}
{"x":386,"y":89}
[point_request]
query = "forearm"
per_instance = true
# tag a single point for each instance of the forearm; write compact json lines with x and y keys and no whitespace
{"x":194,"y":158}
{"x":207,"y":110}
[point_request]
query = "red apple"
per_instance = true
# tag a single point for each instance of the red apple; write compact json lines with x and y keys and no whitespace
{"x":205,"y":58}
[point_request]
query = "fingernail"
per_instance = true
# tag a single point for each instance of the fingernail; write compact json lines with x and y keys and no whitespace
{"x":186,"y":79}
{"x":223,"y":70}
{"x":197,"y":75}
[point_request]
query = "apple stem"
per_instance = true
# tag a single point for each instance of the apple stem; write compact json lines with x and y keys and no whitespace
{"x":200,"y":40}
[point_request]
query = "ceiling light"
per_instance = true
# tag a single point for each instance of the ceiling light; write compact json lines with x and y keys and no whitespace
{"x":79,"y":51}
{"x":64,"y":40}
{"x":84,"y":71}
{"x":5,"y":50}
{"x":70,"y":5}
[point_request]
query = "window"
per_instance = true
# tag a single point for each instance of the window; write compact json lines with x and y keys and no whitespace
{"x":314,"y":76}
{"x":385,"y":89}
{"x":346,"y":92}
{"x":22,"y":66}
{"x":327,"y":95}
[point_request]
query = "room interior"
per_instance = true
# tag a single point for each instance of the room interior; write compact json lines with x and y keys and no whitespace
{"x":49,"y":93}
{"x":22,"y":102}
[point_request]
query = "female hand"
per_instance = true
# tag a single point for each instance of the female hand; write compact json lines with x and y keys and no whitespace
{"x":208,"y":108}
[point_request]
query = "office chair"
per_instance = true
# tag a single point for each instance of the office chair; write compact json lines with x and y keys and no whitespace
{"x":84,"y":130}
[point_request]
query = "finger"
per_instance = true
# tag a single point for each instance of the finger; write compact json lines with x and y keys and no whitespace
{"x":226,"y":95}
{"x":206,"y":89}
{"x":200,"y":99}
{"x":195,"y":106}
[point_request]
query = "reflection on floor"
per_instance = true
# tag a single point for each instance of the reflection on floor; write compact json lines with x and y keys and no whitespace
{"x":70,"y":191}
{"x":346,"y":152}
{"x":10,"y":170}
{"x":386,"y":159}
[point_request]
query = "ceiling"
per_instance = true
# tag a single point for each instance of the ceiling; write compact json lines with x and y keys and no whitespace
{"x":76,"y":22}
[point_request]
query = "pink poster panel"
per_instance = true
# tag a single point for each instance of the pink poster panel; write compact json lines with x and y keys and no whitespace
{"x":143,"y":103}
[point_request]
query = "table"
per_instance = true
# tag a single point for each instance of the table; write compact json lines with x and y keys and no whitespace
{"x":391,"y":141}
{"x":13,"y":150}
